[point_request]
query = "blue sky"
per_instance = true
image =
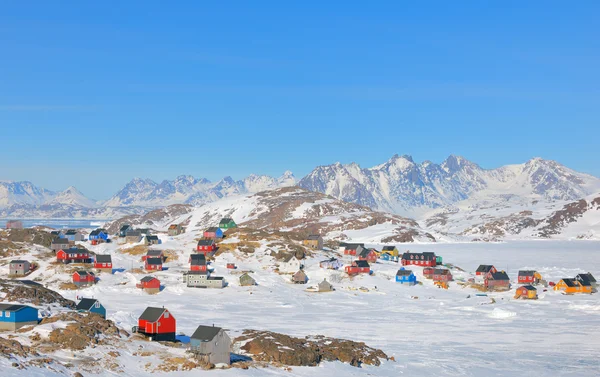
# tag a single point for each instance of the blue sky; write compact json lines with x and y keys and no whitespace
{"x":142,"y":88}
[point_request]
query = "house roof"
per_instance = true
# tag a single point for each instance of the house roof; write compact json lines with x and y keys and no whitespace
{"x":526,"y":273}
{"x":427,"y":255}
{"x":403,"y":272}
{"x":60,"y":241}
{"x":206,"y":242}
{"x":529,"y":287}
{"x":125,"y":227}
{"x":361,"y":263}
{"x":212,"y":229}
{"x":354,"y":246}
{"x":441,"y":271}
{"x":225,"y":220}
{"x":104,"y":258}
{"x":205,"y":333}
{"x":154,"y":261}
{"x":76,"y":250}
{"x":288,"y":258}
{"x":245,"y":275}
{"x":569,"y":282}
{"x":71,"y":232}
{"x":299,"y":274}
{"x":314,"y":237}
{"x":332,"y":259}
{"x":173,"y":226}
{"x":84,"y":273}
{"x":12,"y":307}
{"x":198,"y":260}
{"x":154,"y":253}
{"x":152,"y":238}
{"x":388,"y":248}
{"x":484,"y":268}
{"x":133,"y":233}
{"x":500,"y":275}
{"x":86,"y":303}
{"x":152,"y":314}
{"x":146,"y":279}
{"x":19,"y":261}
{"x":586,"y":277}
{"x":215,"y":278}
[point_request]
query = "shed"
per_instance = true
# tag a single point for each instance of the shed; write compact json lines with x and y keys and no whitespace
{"x":325,"y":286}
{"x":19,"y":267}
{"x":247,"y":280}
{"x":91,"y":305}
{"x":299,"y":277}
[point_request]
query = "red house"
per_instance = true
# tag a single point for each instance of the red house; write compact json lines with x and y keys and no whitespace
{"x":213,"y":232}
{"x":428,"y":272}
{"x":206,"y":246}
{"x":73,"y":255}
{"x":426,"y":259}
{"x":103,"y":263}
{"x":84,"y":278}
{"x":153,"y":264}
{"x":231,"y":266}
{"x":441,"y":274}
{"x":358,"y":267}
{"x":150,"y":284}
{"x":529,"y":277}
{"x":157,"y":324}
{"x":153,"y":254}
{"x":353,"y":249}
{"x":496,"y":280}
{"x":198,"y":262}
{"x":368,"y":254}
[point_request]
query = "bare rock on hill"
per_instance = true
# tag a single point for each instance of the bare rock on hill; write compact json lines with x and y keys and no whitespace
{"x":267,"y":346}
{"x":27,"y":291}
{"x":28,"y":235}
{"x":83,"y":330}
{"x":151,"y":218}
{"x":10,"y":348}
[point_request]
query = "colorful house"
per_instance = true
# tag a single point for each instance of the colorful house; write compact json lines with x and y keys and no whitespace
{"x":406,"y":277}
{"x":202,"y":279}
{"x":484,"y":269}
{"x":353,"y":249}
{"x":73,"y":255}
{"x":103,"y":263}
{"x":19,"y":267}
{"x":98,"y":234}
{"x":206,"y":246}
{"x":214,"y":233}
{"x":74,"y":236}
{"x":358,"y":267}
{"x":571,"y":286}
{"x":331,"y":264}
{"x":392,"y":251}
{"x":153,"y":253}
{"x":59,"y":243}
{"x":197,"y":262}
{"x":152,"y":240}
{"x":299,"y":277}
{"x":211,"y":345}
{"x":529,"y":277}
{"x":227,"y":223}
{"x":370,"y":255}
{"x":175,"y":230}
{"x":158,"y":324}
{"x":496,"y":280}
{"x":57,"y":234}
{"x":15,"y":316}
{"x":441,"y":275}
{"x":14,"y":224}
{"x":84,"y":278}
{"x":428,"y":272}
{"x":587,"y":278}
{"x":124,"y":229}
{"x":91,"y":305}
{"x":439,"y":260}
{"x":153,"y":264}
{"x":149,"y":284}
{"x":527,"y":292}
{"x":313,"y":241}
{"x":133,"y":236}
{"x":425,"y":259}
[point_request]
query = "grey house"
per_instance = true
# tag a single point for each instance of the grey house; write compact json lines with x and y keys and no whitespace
{"x":325,"y":286}
{"x":202,"y":279}
{"x":247,"y":280}
{"x":124,"y":229}
{"x":133,"y":236}
{"x":18,"y":268}
{"x":211,"y":344}
{"x":59,"y":244}
{"x":175,"y":230}
{"x":152,"y":240}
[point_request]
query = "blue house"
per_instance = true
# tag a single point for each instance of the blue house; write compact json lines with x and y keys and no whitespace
{"x":98,"y":234}
{"x":406,"y":277}
{"x":57,"y":234}
{"x":14,"y":316}
{"x":385,"y":256}
{"x":91,"y":305}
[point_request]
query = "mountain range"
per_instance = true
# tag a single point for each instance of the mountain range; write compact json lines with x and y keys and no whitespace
{"x":399,"y":185}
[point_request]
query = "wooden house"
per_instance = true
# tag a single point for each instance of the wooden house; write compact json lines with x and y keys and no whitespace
{"x":428,"y":272}
{"x":247,"y":280}
{"x":313,"y":241}
{"x":73,"y":255}
{"x":325,"y":286}
{"x":529,"y":277}
{"x":91,"y":305}
{"x":175,"y":230}
{"x":198,"y":262}
{"x":227,"y":223}
{"x":98,"y":234}
{"x":392,"y":251}
{"x":157,"y":324}
{"x":202,"y":279}
{"x":133,"y":236}
{"x":353,"y":249}
{"x":154,"y":253}
{"x":358,"y":267}
{"x":15,"y":316}
{"x":207,"y":246}
{"x":211,"y":345}
{"x":14,"y":224}
{"x":59,"y":243}
{"x":152,"y":240}
{"x":407,"y":277}
{"x":290,"y":264}
{"x":103,"y":263}
{"x":299,"y":277}
{"x":331,"y":264}
{"x":498,"y":280}
{"x":587,"y":278}
{"x":214,"y":233}
{"x":149,"y":284}
{"x":527,"y":292}
{"x":19,"y":267}
{"x":484,"y":269}
{"x":370,"y":255}
{"x":571,"y":286}
{"x":83,"y":278}
{"x":153,"y":264}
{"x":441,"y":275}
{"x":425,"y":259}
{"x":124,"y":229}
{"x":74,"y":236}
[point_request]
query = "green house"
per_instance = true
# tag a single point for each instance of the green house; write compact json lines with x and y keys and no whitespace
{"x":438,"y":260}
{"x":227,"y":223}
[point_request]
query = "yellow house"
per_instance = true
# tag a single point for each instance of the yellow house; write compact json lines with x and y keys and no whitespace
{"x":526,"y":292}
{"x":392,"y":250}
{"x":572,"y":286}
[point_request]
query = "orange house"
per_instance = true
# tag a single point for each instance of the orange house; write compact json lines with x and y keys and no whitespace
{"x":571,"y":286}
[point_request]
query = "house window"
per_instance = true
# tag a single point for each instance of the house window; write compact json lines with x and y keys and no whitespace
{"x":166,"y":315}
{"x":7,"y":314}
{"x":97,"y":305}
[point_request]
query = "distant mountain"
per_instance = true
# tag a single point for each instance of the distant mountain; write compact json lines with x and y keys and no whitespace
{"x":22,"y":193}
{"x":402,"y":186}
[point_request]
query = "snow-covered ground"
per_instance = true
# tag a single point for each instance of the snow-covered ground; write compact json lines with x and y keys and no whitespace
{"x":442,"y":332}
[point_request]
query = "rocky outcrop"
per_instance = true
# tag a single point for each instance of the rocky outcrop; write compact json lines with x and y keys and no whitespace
{"x":29,"y":235}
{"x":84,"y":329}
{"x":267,"y":346}
{"x":151,"y":218}
{"x":25,"y":291}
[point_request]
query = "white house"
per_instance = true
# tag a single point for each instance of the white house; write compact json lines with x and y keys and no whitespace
{"x":290,"y":265}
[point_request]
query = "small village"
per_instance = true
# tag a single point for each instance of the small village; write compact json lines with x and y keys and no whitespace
{"x":211,"y":344}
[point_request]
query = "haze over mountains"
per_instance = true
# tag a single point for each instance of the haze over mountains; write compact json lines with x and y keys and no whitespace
{"x":399,"y":185}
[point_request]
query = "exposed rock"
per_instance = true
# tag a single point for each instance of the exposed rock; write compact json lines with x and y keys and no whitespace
{"x":26,"y":291}
{"x":310,"y":351}
{"x":29,"y":235}
{"x":10,"y":348}
{"x":84,"y":330}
